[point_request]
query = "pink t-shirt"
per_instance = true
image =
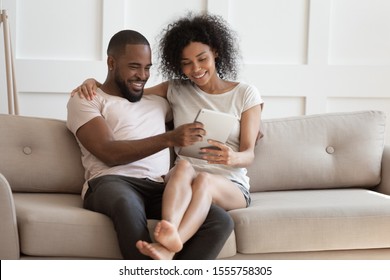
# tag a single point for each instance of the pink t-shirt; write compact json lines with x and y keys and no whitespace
{"x":128,"y":121}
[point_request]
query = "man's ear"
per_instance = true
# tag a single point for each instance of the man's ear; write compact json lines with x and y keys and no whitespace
{"x":110,"y":62}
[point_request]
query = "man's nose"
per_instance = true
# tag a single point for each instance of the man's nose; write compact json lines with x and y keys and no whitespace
{"x":143,"y":74}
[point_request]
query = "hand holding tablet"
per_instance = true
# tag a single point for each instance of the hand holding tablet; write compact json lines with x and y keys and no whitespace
{"x":218,"y":126}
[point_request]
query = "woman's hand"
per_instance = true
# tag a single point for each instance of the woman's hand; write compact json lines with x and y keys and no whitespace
{"x":220,"y":153}
{"x":87,"y":89}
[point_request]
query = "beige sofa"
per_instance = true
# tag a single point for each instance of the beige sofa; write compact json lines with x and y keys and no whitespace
{"x":320,"y":190}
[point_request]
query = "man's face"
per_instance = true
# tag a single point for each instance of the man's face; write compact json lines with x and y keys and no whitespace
{"x":132,"y":71}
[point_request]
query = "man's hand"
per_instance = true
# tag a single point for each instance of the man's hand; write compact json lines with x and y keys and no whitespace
{"x":187,"y":134}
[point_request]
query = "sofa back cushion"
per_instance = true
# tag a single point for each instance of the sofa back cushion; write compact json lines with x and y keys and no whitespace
{"x":39,"y":155}
{"x":334,"y":150}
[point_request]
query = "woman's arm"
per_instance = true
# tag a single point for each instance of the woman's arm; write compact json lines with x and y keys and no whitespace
{"x":88,"y":89}
{"x":160,"y":90}
{"x":250,"y":128}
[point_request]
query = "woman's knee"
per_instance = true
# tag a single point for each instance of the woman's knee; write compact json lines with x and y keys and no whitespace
{"x":184,"y":166}
{"x":202,"y":183}
{"x":183,"y":170}
{"x":203,"y":179}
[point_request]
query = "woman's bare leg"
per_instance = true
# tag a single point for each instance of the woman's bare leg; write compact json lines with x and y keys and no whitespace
{"x":206,"y":189}
{"x":186,"y":208}
{"x":176,"y":198}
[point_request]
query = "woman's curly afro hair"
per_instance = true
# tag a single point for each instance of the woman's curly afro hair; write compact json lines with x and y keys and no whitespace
{"x":211,"y":30}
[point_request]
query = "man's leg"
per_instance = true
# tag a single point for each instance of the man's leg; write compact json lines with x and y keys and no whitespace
{"x":123,"y":201}
{"x":210,"y":238}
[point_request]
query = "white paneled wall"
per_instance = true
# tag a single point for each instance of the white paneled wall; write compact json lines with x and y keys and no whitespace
{"x":52,"y":30}
{"x":272,"y":32}
{"x":360,"y":32}
{"x":305,"y":56}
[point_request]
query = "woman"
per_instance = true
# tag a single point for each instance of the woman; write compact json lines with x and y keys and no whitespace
{"x":198,"y":56}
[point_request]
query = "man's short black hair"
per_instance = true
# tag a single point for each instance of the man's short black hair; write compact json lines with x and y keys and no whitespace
{"x":119,"y":41}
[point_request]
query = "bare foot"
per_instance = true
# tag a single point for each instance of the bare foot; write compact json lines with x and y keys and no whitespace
{"x":166,"y":234}
{"x":154,"y":250}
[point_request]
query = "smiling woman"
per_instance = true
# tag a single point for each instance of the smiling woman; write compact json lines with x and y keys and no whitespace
{"x":198,"y":63}
{"x":198,"y":53}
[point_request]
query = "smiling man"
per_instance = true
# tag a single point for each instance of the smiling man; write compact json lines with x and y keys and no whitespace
{"x":125,"y":152}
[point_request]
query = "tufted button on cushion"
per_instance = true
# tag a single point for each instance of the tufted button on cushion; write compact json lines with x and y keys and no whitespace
{"x":27,"y":150}
{"x":36,"y":145}
{"x":330,"y":150}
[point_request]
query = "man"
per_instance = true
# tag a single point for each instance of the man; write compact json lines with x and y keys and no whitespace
{"x":125,"y":152}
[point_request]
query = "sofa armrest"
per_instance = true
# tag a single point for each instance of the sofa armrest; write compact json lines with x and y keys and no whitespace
{"x":384,"y":186}
{"x":9,"y":238}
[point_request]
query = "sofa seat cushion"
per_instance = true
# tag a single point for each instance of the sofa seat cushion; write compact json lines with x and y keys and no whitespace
{"x":57,"y":225}
{"x":313,"y":220}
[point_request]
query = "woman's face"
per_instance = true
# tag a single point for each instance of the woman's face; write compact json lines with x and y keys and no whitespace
{"x":198,"y":63}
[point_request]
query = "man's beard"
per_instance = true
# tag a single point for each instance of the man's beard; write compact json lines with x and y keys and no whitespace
{"x":126,"y":92}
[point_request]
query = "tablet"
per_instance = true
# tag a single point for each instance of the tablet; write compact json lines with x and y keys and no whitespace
{"x":218,"y":127}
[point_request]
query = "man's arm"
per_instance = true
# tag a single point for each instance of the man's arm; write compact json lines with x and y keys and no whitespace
{"x":98,"y":139}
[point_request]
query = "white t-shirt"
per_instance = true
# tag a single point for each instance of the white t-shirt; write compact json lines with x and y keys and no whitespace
{"x":186,"y":99}
{"x":128,"y":121}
